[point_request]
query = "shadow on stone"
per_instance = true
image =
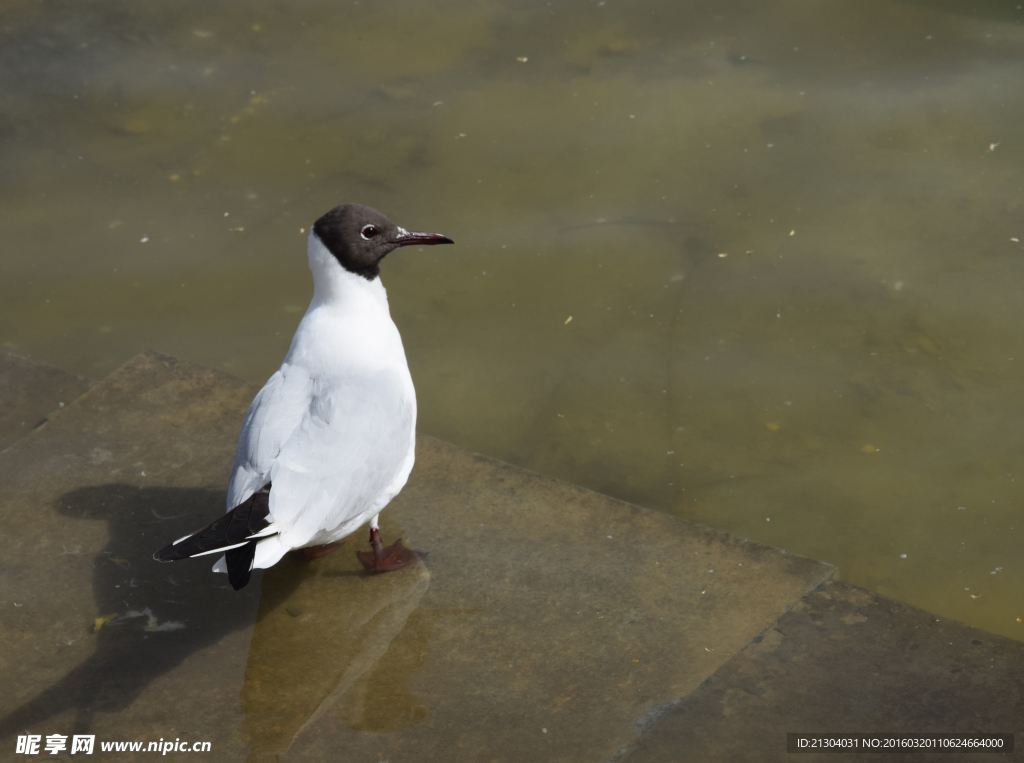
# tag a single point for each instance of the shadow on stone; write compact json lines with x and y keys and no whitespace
{"x":152,"y":616}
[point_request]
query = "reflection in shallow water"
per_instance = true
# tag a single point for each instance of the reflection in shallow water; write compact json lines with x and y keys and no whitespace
{"x":333,"y":640}
{"x":842,"y":382}
{"x":380,"y":701}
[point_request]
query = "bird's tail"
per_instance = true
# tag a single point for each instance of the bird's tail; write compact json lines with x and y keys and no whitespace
{"x":235,"y":534}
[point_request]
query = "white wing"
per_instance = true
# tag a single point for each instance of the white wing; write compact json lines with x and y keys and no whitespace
{"x":352,"y":445}
{"x":273,"y":416}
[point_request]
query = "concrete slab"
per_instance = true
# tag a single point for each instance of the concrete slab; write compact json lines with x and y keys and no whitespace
{"x":559,"y":623}
{"x":94,"y":635}
{"x":29,"y":392}
{"x":846,"y":661}
{"x":549,"y":622}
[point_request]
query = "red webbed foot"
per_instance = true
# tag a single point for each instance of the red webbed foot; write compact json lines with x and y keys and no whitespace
{"x":387,"y":558}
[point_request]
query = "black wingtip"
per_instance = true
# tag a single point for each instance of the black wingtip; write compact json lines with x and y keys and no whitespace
{"x":172,"y":552}
{"x":239,"y":561}
{"x":236,"y":526}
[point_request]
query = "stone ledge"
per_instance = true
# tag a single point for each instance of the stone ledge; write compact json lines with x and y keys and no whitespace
{"x":846,"y":660}
{"x":535,"y":635}
{"x":30,"y":392}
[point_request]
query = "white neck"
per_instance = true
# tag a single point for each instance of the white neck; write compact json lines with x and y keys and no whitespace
{"x":348,"y":323}
{"x":335,"y":286}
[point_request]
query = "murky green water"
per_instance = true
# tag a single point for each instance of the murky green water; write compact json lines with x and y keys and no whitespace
{"x":756,"y":264}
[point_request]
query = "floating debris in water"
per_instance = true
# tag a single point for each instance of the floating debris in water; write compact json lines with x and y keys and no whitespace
{"x":152,"y":624}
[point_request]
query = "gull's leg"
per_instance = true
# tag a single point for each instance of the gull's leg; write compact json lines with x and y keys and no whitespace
{"x":386,"y":558}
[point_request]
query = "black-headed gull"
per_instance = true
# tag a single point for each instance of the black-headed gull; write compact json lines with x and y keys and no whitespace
{"x":330,"y":439}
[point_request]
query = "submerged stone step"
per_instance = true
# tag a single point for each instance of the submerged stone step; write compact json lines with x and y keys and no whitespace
{"x":29,"y":392}
{"x":548,"y":623}
{"x":847,"y":661}
{"x":558,"y":622}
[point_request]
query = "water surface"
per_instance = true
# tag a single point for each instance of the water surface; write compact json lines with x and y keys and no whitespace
{"x":755,"y":264}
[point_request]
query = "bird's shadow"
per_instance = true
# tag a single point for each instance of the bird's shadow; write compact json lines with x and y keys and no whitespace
{"x":159,"y":614}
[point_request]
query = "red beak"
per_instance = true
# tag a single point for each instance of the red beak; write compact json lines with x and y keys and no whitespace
{"x":413,"y":238}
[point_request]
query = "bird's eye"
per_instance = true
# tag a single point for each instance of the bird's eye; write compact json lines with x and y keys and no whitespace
{"x":369,"y":231}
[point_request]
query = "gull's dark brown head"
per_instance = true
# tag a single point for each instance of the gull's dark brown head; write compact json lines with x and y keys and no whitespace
{"x":360,"y":237}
